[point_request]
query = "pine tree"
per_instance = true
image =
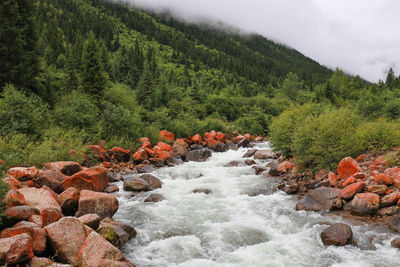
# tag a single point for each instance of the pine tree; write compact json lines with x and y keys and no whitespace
{"x":94,"y":78}
{"x":390,"y":78}
{"x":18,"y":43}
{"x":145,"y":87}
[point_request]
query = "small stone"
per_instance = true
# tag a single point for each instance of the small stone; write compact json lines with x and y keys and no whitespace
{"x":154,"y":198}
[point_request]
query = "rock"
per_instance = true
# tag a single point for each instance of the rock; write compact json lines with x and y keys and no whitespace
{"x":40,"y":262}
{"x":347,"y":167}
{"x":396,"y":243}
{"x":12,"y":182}
{"x":249,"y":162}
{"x":181,"y":147}
{"x":285,"y":167}
{"x":19,"y":213}
{"x":349,"y":191}
{"x":114,"y":177}
{"x":245,"y":142}
{"x":259,"y":138}
{"x":389,"y":211}
{"x":322,"y":198}
{"x":127,"y":228}
{"x":322,"y":174}
{"x":205,"y":191}
{"x":94,"y":179}
{"x":337,"y":235}
{"x":379,"y":164}
{"x":66,"y":167}
{"x":166,"y":136}
{"x":92,"y":220}
{"x":395,"y":223}
{"x":54,"y":194}
{"x":390,"y":199}
{"x":153,"y":181}
{"x":37,"y":234}
{"x":349,"y":181}
{"x":291,"y":188}
{"x":52,"y":179}
{"x":359,"y":175}
{"x":232,"y":146}
{"x":23,"y":173}
{"x":39,"y":198}
{"x":258,"y":170}
{"x":377,"y":189}
{"x":96,"y":251}
{"x":140,"y":156}
{"x":120,"y":154}
{"x":198,"y":155}
{"x":50,"y":216}
{"x":103,"y":204}
{"x":234,"y":163}
{"x":249,"y":153}
{"x":67,"y":237}
{"x":332,"y":178}
{"x":264,"y":154}
{"x":144,"y":168}
{"x":114,"y":232}
{"x":145,"y":142}
{"x":364,"y":204}
{"x":36,"y":219}
{"x":221,"y":137}
{"x":154,"y":198}
{"x":273,"y":168}
{"x":100,"y":153}
{"x":68,"y":200}
{"x":382,"y":178}
{"x":197,"y":139}
{"x":15,"y":249}
{"x":133,"y":183}
{"x":111,"y":188}
{"x":14,"y":198}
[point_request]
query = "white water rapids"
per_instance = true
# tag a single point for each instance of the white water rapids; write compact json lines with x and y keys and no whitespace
{"x":245,"y":222}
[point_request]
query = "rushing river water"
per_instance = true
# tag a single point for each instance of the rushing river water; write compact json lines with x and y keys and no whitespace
{"x":245,"y":222}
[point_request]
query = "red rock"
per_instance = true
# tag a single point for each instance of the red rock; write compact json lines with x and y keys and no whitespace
{"x":379,"y":164}
{"x":14,"y":198}
{"x":248,"y":136}
{"x":197,"y":139}
{"x":96,"y":251}
{"x":377,"y":189}
{"x":50,"y":216}
{"x":359,"y":175}
{"x":238,"y":138}
{"x":51,"y":178}
{"x":259,"y":138}
{"x":94,"y":179}
{"x":389,"y":199}
{"x":164,"y":156}
{"x":100,"y":152}
{"x":382,"y":178}
{"x":165,"y":135}
{"x":396,"y":181}
{"x":285,"y":166}
{"x":28,"y":183}
{"x":92,"y":220}
{"x":14,"y":183}
{"x":40,"y":199}
{"x":54,"y":194}
{"x":180,"y":147}
{"x":23,"y":174}
{"x":145,"y":142}
{"x":65,"y":167}
{"x":210,"y":135}
{"x":211,"y":143}
{"x":332,"y":179}
{"x":107,"y":165}
{"x":348,"y":181}
{"x":19,"y":213}
{"x":120,"y":154}
{"x":150,"y":152}
{"x":36,"y":219}
{"x":361,"y":158}
{"x":15,"y":249}
{"x":352,"y":189}
{"x":347,"y":167}
{"x":37,"y":234}
{"x":67,"y":237}
{"x":392,"y":172}
{"x":140,"y":156}
{"x":364,"y":204}
{"x":164,"y":147}
{"x":221,"y":137}
{"x":103,"y":204}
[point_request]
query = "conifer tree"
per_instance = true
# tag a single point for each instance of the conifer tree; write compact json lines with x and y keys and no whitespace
{"x":390,"y":78}
{"x":145,"y":87}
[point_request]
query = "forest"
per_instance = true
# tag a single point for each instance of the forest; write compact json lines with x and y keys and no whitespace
{"x":80,"y":71}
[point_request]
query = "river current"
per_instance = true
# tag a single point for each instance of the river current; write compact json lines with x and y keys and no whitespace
{"x":244,"y":222}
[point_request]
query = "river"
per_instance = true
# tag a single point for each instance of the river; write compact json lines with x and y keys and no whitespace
{"x":243,"y":222}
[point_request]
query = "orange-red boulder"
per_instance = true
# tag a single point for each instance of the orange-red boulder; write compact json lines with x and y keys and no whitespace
{"x":211,"y":143}
{"x":50,"y":215}
{"x":377,"y":189}
{"x":352,"y":189}
{"x":15,"y":249}
{"x":181,"y":147}
{"x":14,"y":198}
{"x":382,"y":178}
{"x":389,"y":199}
{"x":66,"y":167}
{"x":197,"y":139}
{"x":364,"y":204}
{"x":36,"y":219}
{"x":164,"y":147}
{"x":19,"y":213}
{"x":51,"y":178}
{"x":348,"y":181}
{"x":221,"y":137}
{"x":92,"y":220}
{"x":103,"y":204}
{"x":94,"y":179}
{"x":68,"y":200}
{"x":14,"y":183}
{"x":145,"y":142}
{"x":23,"y":173}
{"x":332,"y":179}
{"x":347,"y":167}
{"x":40,"y":199}
{"x":166,"y":136}
{"x":163,"y":156}
{"x":379,"y":164}
{"x":285,"y":166}
{"x":100,"y":153}
{"x":120,"y":154}
{"x":392,"y":172}
{"x":140,"y":155}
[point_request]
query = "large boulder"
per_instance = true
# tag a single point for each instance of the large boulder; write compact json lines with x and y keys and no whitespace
{"x":92,"y":220}
{"x":338,"y":234}
{"x":68,"y":200}
{"x":103,"y":204}
{"x":66,"y":237}
{"x":94,"y":179}
{"x":322,"y":198}
{"x":66,"y":167}
{"x":145,"y":168}
{"x":390,"y":199}
{"x":197,"y":139}
{"x":153,"y":181}
{"x":347,"y":167}
{"x":264,"y":154}
{"x":23,"y":173}
{"x":14,"y":198}
{"x":180,"y":147}
{"x":19,"y":213}
{"x":37,"y":234}
{"x":127,"y":228}
{"x":100,"y":153}
{"x":198,"y":155}
{"x":382,"y":178}
{"x":40,"y":199}
{"x":249,"y":153}
{"x":133,"y":183}
{"x":166,"y":136}
{"x":16,"y":249}
{"x":97,"y":252}
{"x":364,"y":204}
{"x":379,"y":164}
{"x":140,"y":155}
{"x":116,"y":233}
{"x":351,"y":190}
{"x":52,"y":179}
{"x":120,"y":154}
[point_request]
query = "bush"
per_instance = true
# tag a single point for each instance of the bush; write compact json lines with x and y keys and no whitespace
{"x":285,"y":125}
{"x":253,"y":122}
{"x":15,"y":149}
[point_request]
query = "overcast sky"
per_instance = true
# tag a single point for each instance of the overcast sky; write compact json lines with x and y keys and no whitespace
{"x":359,"y":36}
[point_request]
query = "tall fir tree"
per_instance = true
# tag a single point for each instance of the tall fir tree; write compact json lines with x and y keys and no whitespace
{"x":145,"y":87}
{"x":390,"y":78}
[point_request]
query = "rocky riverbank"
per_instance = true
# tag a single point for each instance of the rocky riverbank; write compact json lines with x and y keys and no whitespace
{"x":61,"y":215}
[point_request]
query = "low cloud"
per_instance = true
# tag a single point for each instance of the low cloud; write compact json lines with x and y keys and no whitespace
{"x":359,"y":36}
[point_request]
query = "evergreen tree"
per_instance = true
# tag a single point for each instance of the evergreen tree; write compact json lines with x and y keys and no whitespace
{"x":145,"y":87}
{"x":18,"y":43}
{"x":390,"y":78}
{"x":94,"y":78}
